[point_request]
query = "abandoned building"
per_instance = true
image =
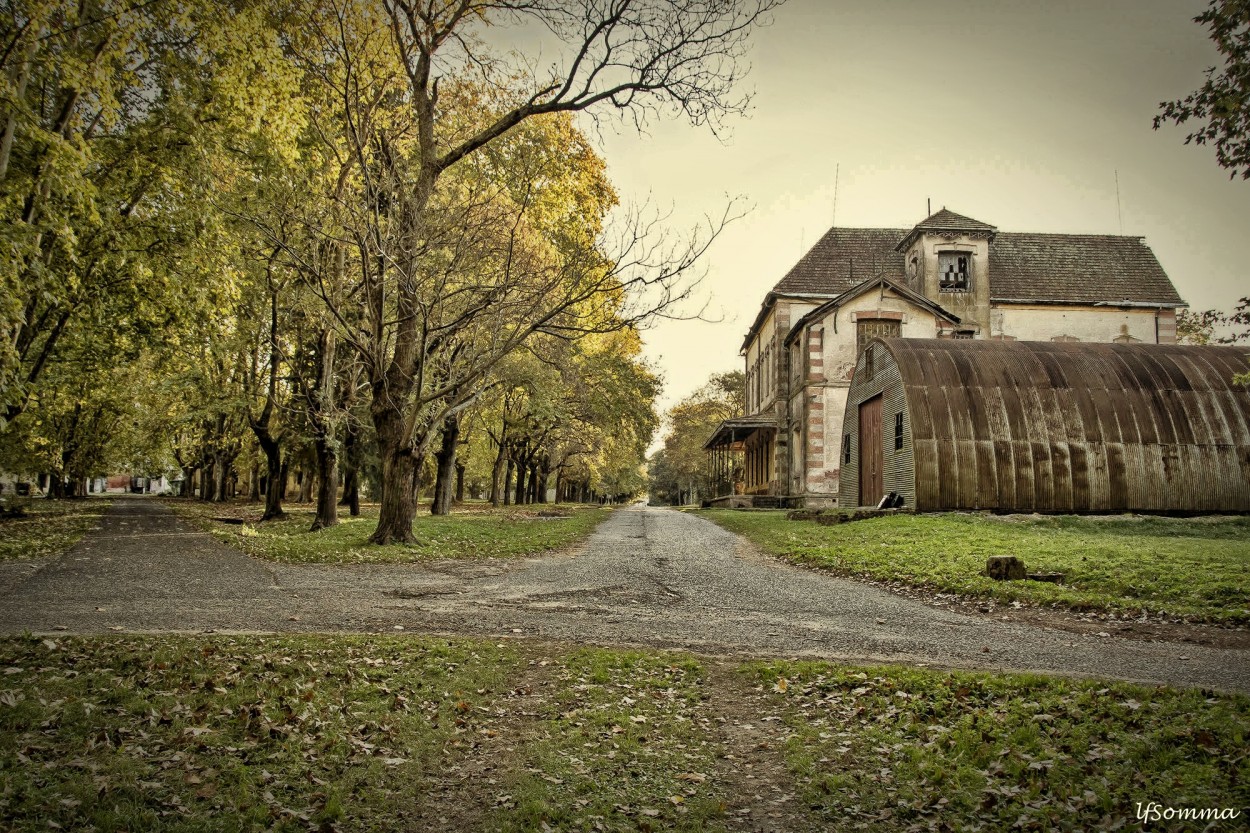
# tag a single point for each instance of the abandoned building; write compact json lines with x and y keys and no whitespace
{"x":949,"y":277}
{"x":1033,"y":426}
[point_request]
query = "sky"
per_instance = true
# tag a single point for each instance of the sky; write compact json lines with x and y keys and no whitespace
{"x":1019,"y":114}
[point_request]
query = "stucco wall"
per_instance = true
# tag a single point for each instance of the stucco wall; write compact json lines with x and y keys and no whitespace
{"x":973,"y":306}
{"x":824,"y":415}
{"x":1095,"y":324}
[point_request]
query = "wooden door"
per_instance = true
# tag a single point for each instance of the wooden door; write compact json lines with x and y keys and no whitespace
{"x":870,"y":456}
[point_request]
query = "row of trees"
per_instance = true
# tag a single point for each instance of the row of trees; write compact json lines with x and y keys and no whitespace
{"x":349,"y":238}
{"x":678,"y":472}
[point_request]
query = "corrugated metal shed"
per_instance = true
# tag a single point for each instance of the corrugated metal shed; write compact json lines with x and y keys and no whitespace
{"x":1057,"y":427}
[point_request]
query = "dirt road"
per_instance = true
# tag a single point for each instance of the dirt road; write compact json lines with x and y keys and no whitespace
{"x":647,"y":576}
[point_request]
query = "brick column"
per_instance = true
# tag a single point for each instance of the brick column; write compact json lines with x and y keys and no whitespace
{"x":814,"y":454}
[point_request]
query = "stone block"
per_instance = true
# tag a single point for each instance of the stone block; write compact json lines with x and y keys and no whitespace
{"x":1005,"y":568}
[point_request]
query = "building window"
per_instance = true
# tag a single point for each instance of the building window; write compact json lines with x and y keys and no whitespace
{"x":866,"y":328}
{"x":868,"y":363}
{"x":954,"y":271}
{"x":846,"y":449}
{"x":965,"y":333}
{"x":898,"y":431}
{"x":768,"y":371}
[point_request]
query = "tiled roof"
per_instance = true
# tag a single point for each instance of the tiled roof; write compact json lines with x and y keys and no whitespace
{"x":1077,"y":268}
{"x":1063,"y":268}
{"x":843,"y":258}
{"x":946,"y":220}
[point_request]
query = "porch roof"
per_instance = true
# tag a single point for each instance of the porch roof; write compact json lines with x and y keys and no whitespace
{"x":732,"y":431}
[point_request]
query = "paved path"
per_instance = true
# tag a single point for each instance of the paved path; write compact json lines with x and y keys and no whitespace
{"x":647,"y":577}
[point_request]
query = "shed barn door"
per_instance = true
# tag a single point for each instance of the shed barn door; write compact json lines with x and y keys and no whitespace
{"x":870,"y":477}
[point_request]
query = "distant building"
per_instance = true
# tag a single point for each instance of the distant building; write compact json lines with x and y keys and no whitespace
{"x":948,"y":277}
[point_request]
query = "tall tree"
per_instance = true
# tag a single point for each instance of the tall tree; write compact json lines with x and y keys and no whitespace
{"x":640,"y":58}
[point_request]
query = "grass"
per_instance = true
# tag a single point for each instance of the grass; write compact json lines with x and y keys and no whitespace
{"x":49,"y":527}
{"x":176,"y":733}
{"x":477,"y":531}
{"x":1198,"y":569}
{"x":625,"y":736}
{"x":215,"y":732}
{"x":897,"y":749}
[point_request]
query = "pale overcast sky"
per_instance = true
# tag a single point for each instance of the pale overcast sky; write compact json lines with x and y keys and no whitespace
{"x":1015,"y":113}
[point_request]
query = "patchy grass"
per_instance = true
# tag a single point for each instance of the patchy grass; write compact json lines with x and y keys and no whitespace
{"x":378,"y":733}
{"x":625,"y":743}
{"x":1193,"y":568}
{"x":49,"y":527}
{"x":474,"y":532}
{"x":898,"y":749}
{"x":181,"y":733}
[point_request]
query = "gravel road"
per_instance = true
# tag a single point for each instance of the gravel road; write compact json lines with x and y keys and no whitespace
{"x":647,"y":576}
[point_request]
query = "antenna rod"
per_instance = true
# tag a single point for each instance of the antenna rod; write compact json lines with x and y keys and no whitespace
{"x":1118,"y":215}
{"x":928,"y":207}
{"x":836,"y":172}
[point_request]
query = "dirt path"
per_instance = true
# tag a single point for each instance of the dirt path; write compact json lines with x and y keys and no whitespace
{"x":647,"y":576}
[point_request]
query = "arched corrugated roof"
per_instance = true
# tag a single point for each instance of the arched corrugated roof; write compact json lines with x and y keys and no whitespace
{"x":1050,"y":426}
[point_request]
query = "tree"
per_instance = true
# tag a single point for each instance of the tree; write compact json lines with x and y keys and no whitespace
{"x":1221,"y":105}
{"x":679,"y":471}
{"x":1197,"y":327}
{"x":429,"y":336}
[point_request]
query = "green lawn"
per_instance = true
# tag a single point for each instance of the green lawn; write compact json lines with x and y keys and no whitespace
{"x":477,"y":531}
{"x":49,"y":527}
{"x":1195,"y":568}
{"x":897,"y":749}
{"x":374,"y":733}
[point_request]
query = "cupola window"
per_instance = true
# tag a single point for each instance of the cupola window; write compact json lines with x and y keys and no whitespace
{"x":954,"y":271}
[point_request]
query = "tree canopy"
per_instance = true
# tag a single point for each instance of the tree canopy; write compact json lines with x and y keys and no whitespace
{"x":352,"y":241}
{"x":1220,"y":108}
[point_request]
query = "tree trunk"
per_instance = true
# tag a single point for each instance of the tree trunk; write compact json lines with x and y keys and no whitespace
{"x":283,"y":476}
{"x":254,"y":484}
{"x":544,"y":473}
{"x":56,"y":487}
{"x":274,"y":468}
{"x":351,"y":492}
{"x":327,"y":486}
{"x":399,"y":480}
{"x":507,"y":481}
{"x":521,"y":469}
{"x":351,"y":469}
{"x":445,"y":461}
{"x":187,"y":489}
{"x":498,"y":486}
{"x":532,"y":485}
{"x":460,"y":467}
{"x":305,"y":480}
{"x":221,"y":467}
{"x":207,"y":480}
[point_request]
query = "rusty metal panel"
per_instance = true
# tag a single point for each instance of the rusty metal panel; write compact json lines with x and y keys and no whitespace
{"x":1072,"y":427}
